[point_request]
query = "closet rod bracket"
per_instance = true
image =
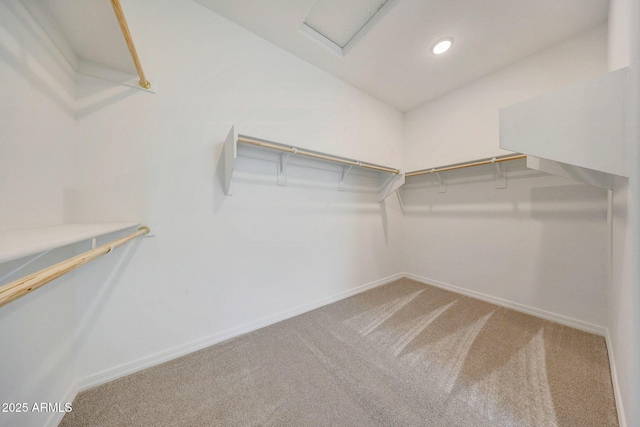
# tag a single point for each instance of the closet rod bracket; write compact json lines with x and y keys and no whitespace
{"x":282,"y":167}
{"x":345,"y":172}
{"x":442,"y":188}
{"x":501,"y":176}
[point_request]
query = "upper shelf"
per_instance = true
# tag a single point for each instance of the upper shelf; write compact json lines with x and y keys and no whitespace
{"x":88,"y":37}
{"x":396,"y":178}
{"x":583,"y":125}
{"x":16,"y":244}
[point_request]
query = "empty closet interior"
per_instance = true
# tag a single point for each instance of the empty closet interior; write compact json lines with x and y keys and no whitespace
{"x":176,"y":175}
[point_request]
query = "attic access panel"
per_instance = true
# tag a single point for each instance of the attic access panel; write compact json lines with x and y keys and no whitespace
{"x":340,"y":24}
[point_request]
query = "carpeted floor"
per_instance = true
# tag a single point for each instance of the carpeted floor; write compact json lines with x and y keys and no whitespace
{"x":404,"y":354}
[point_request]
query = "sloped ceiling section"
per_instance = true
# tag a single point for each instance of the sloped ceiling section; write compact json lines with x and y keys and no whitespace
{"x":340,"y":21}
{"x":393,"y":62}
{"x":340,"y":25}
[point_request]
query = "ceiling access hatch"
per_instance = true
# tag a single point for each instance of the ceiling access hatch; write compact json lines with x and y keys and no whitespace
{"x":340,"y":25}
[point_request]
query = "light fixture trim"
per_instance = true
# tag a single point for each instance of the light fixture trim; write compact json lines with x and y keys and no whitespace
{"x":442,"y":45}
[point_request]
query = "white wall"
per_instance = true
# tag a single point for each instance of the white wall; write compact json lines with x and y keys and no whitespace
{"x":220,"y":262}
{"x":624,"y":292}
{"x":36,"y":157}
{"x":540,"y":243}
{"x":464,"y":125}
{"x":37,"y":334}
{"x":36,"y":143}
{"x":220,"y":265}
{"x":619,"y":34}
{"x":620,"y":295}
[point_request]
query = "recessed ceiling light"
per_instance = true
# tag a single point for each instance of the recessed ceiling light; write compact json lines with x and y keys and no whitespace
{"x":442,"y":45}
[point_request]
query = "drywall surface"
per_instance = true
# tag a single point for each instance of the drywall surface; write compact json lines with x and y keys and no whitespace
{"x":619,"y":34}
{"x":624,"y":292}
{"x":620,"y":294}
{"x":540,"y":243}
{"x":37,"y":333}
{"x":36,"y":155}
{"x":221,"y":262}
{"x":464,"y":125}
{"x":36,"y":122}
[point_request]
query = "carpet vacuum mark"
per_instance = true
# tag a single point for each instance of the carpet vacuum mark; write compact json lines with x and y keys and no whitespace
{"x":403,"y":354}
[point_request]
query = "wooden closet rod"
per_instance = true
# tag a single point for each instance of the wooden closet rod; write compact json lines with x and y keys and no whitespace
{"x":21,"y":287}
{"x":315,"y":155}
{"x":117,"y":8}
{"x":467,"y":165}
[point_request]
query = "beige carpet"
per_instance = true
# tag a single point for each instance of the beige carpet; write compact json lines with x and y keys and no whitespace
{"x":404,"y":354}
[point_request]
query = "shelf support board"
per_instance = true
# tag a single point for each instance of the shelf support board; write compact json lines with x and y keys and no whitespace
{"x":392,"y":185}
{"x":442,"y":187}
{"x":282,"y":168}
{"x":345,"y":172}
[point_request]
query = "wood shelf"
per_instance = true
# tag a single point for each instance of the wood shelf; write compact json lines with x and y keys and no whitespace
{"x":16,"y":244}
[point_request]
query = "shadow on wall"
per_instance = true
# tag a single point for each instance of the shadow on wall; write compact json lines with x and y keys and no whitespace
{"x":37,"y":331}
{"x":261,"y":168}
{"x":34,"y":57}
{"x":93,"y":94}
{"x":106,"y":273}
{"x":472,"y":195}
{"x":21,"y":48}
{"x":540,"y":242}
{"x":384,"y":216}
{"x":121,"y":198}
{"x":565,"y":253}
{"x":305,"y":187}
{"x":218,"y":188}
{"x":574,"y":202}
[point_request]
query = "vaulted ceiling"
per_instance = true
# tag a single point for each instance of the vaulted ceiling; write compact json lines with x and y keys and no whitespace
{"x":393,"y":60}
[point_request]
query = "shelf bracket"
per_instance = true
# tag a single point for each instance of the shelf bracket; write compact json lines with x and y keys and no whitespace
{"x":501,"y":176}
{"x":398,"y":193}
{"x":282,"y":167}
{"x":442,"y":180}
{"x":392,"y":184}
{"x":345,"y":172}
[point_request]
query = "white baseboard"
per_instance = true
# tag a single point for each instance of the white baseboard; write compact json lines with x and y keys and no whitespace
{"x":181,"y":350}
{"x":554,"y":317}
{"x":164,"y":356}
{"x":56,"y":417}
{"x":616,"y":385}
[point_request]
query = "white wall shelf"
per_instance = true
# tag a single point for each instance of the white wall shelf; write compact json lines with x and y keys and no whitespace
{"x":93,"y":46}
{"x":500,"y":175}
{"x":582,"y":125}
{"x":285,"y":155}
{"x":16,"y":244}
